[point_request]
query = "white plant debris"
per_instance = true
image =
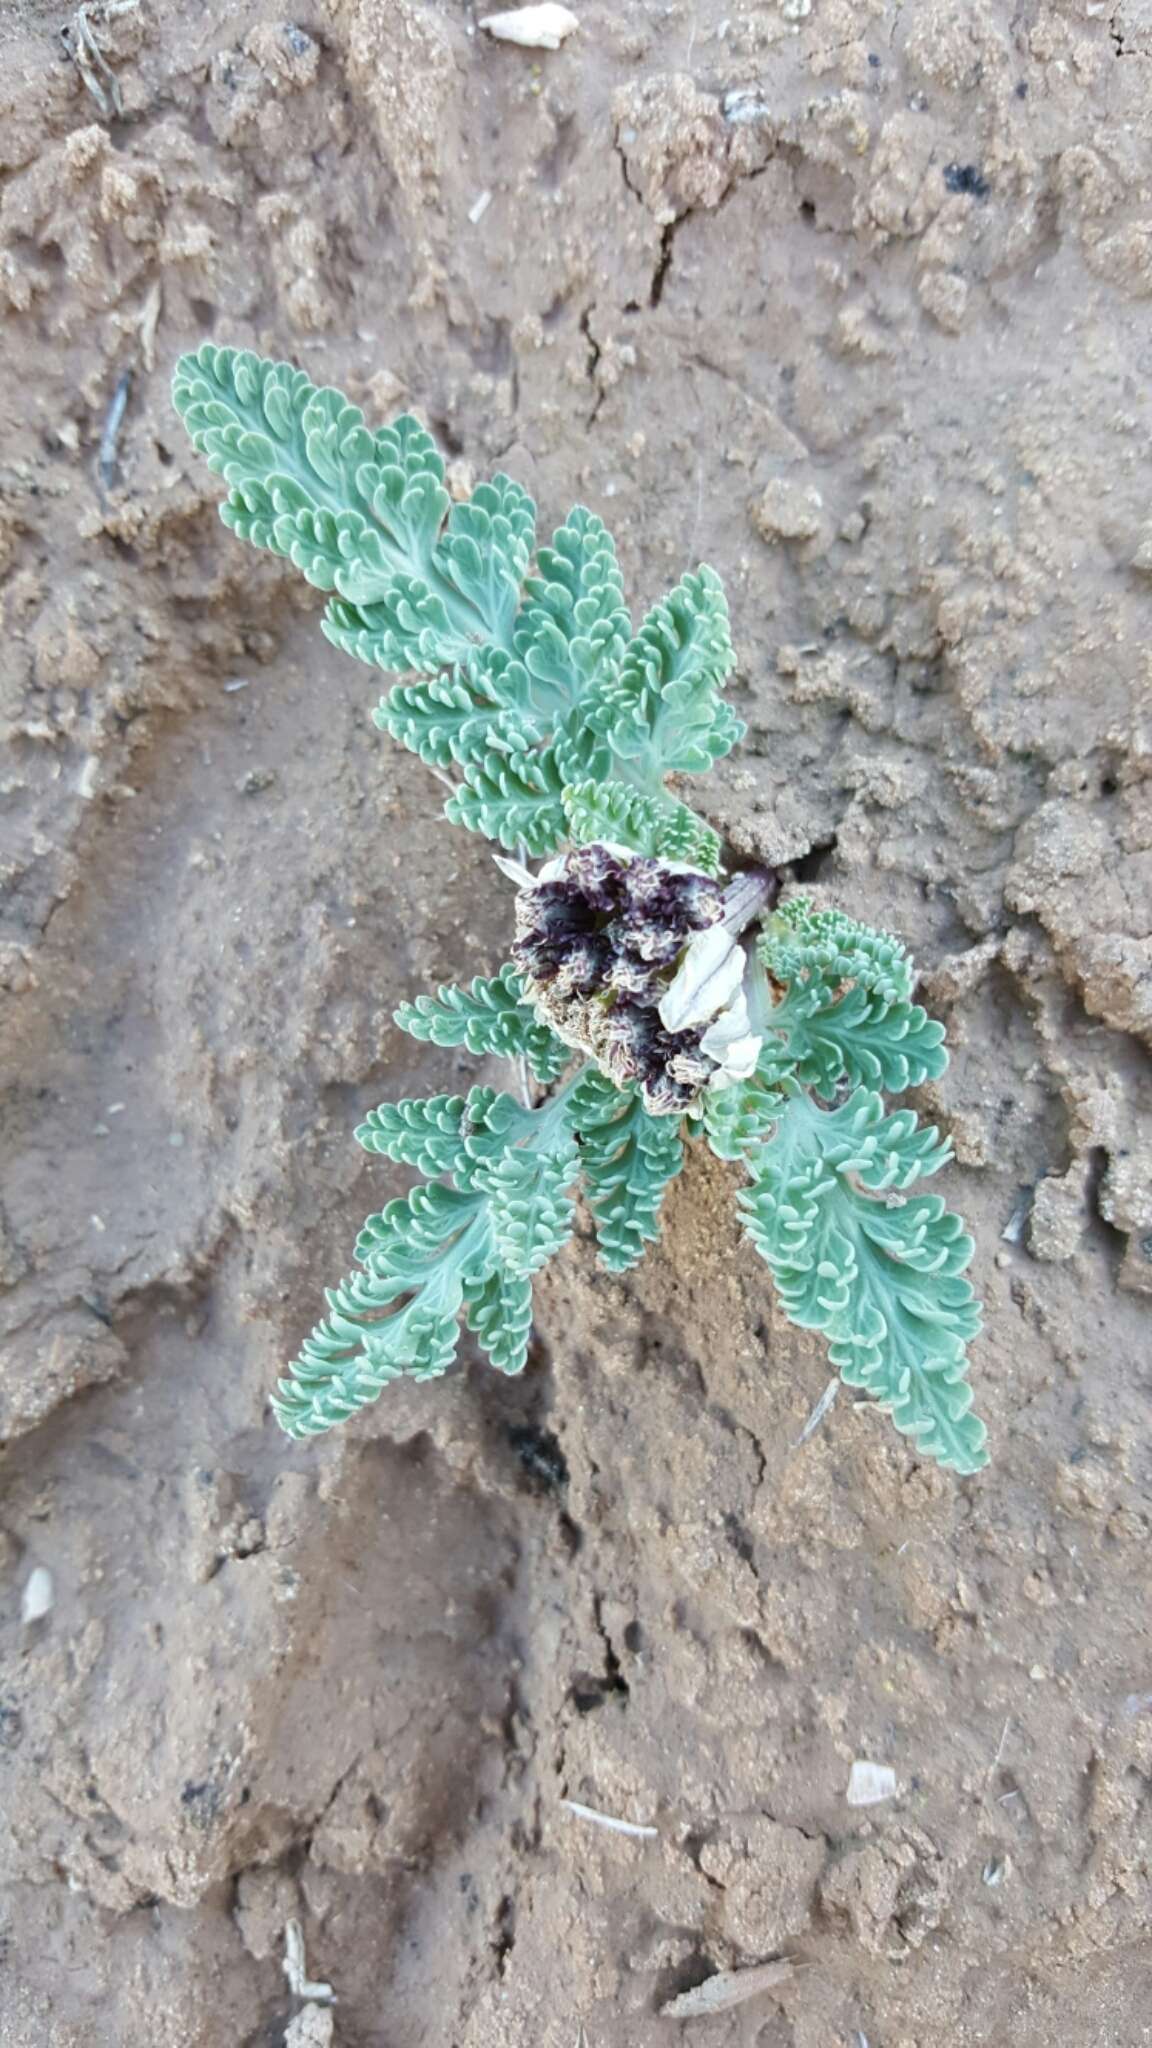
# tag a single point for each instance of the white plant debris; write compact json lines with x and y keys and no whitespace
{"x":641,"y":1829}
{"x":149,"y":322}
{"x":534,"y":28}
{"x":818,"y":1414}
{"x":869,"y":1784}
{"x":82,"y":45}
{"x":726,"y":1989}
{"x":1013,"y":1231}
{"x":38,"y":1596}
{"x":295,"y":1968}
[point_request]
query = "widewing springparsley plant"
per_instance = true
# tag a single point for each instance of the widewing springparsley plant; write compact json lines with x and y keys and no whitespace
{"x":653,"y":998}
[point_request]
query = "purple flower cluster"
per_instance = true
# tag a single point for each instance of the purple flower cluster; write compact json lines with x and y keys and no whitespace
{"x":596,"y":944}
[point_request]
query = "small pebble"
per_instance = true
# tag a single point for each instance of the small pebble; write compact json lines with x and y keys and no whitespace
{"x":534,"y":28}
{"x":869,"y":1784}
{"x":38,"y":1595}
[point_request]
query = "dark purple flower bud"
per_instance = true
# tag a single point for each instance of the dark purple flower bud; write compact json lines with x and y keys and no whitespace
{"x":599,"y":943}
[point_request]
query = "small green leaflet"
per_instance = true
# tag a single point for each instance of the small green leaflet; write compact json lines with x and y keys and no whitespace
{"x":628,"y":1159}
{"x":489,"y":1016}
{"x":882,"y":1278}
{"x":658,"y":825}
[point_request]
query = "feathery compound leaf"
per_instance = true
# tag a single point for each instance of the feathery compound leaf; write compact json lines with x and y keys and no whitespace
{"x":860,"y":1035}
{"x":306,"y":477}
{"x":628,"y":1158}
{"x":663,"y":709}
{"x":529,"y":1204}
{"x":651,"y":824}
{"x":447,"y":1134}
{"x":400,"y":1240}
{"x":573,"y":624}
{"x":441,"y":1249}
{"x":846,"y":1010}
{"x":498,"y":1310}
{"x":882,"y":1279}
{"x":424,"y":1246}
{"x":486,"y":549}
{"x":826,"y":949}
{"x":739,"y":1117}
{"x":425,"y":1134}
{"x":408,"y":629}
{"x":490,"y":1016}
{"x":512,"y":796}
{"x":450,"y":720}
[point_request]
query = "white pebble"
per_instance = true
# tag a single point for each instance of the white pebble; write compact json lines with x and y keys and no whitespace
{"x":868,"y":1784}
{"x":535,"y":28}
{"x":38,"y":1595}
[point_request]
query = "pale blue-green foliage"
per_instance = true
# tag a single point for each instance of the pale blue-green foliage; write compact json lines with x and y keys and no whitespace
{"x":821,"y":948}
{"x":498,"y":1311}
{"x":662,"y":709}
{"x":844,"y":1011}
{"x":463,"y":1135}
{"x":529,"y":1204}
{"x":468,"y":1241}
{"x":882,"y":1279}
{"x":628,"y":1159}
{"x":489,"y":1016}
{"x":651,"y":824}
{"x":527,"y":690}
{"x":524,"y":676}
{"x":471,"y":1239}
{"x":738,"y":1119}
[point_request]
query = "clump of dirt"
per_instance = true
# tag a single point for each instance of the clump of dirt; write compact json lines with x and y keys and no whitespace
{"x":849,"y":299}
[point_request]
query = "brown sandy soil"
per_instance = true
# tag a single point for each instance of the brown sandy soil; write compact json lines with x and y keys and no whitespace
{"x":854,"y":301}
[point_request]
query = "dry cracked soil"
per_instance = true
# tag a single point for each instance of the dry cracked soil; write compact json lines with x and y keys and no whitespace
{"x":852,"y":299}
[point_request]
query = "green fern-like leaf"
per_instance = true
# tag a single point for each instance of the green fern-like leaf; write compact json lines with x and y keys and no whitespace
{"x":662,"y":711}
{"x":882,"y":1278}
{"x":303,"y":471}
{"x":651,"y":824}
{"x":423,"y":1246}
{"x":859,"y":1036}
{"x":447,"y":1134}
{"x":425,"y":1134}
{"x":530,"y":1204}
{"x":498,"y":1310}
{"x":737,"y":1119}
{"x":514,"y":797}
{"x":441,"y":1249}
{"x":410,"y":628}
{"x":454,"y":718}
{"x":628,"y":1159}
{"x":489,"y":1016}
{"x":844,"y":1011}
{"x":825,"y":950}
{"x":486,"y":549}
{"x":573,"y":626}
